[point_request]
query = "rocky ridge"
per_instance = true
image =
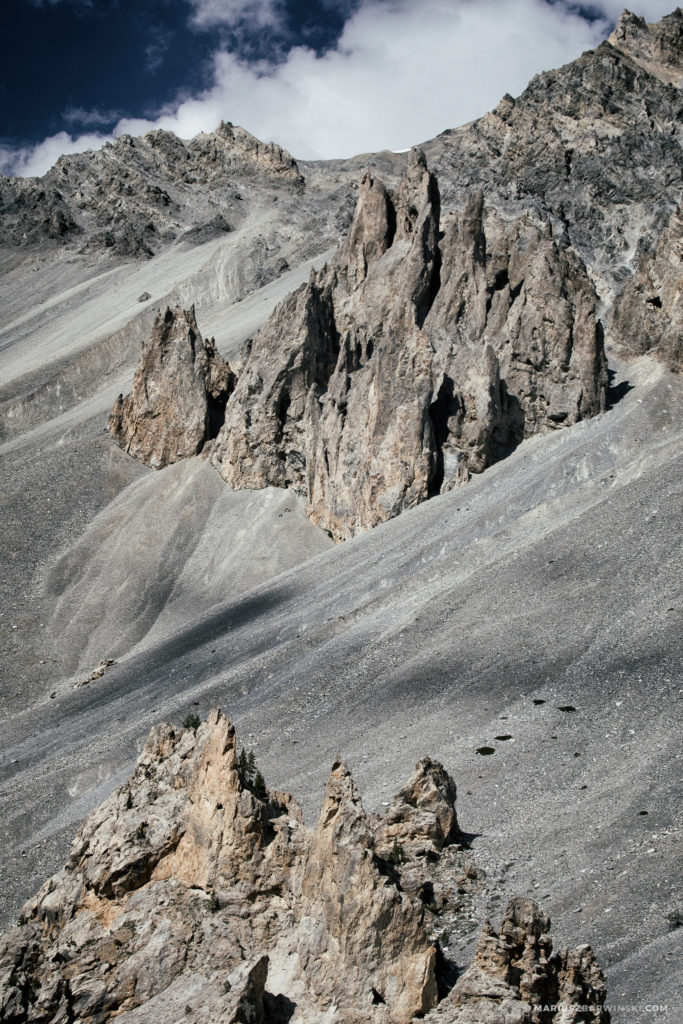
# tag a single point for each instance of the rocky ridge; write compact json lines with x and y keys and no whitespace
{"x":193,"y":892}
{"x":594,"y":145}
{"x":427,"y":350}
{"x":135,"y":195}
{"x":179,"y":394}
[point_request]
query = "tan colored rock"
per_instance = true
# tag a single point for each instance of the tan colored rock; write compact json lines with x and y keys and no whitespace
{"x":179,"y":393}
{"x":648,"y":312}
{"x":422,"y":815}
{"x":356,"y":927}
{"x":232,"y":149}
{"x":516,"y":979}
{"x":186,"y":887}
{"x":658,"y":47}
{"x":411,"y":362}
{"x":184,"y":882}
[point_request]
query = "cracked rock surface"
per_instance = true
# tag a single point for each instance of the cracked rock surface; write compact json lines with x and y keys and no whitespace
{"x":179,"y":393}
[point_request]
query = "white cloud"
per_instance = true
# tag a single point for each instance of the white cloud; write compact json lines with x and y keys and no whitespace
{"x":36,"y":160}
{"x":403,"y":71}
{"x":651,"y":10}
{"x":81,"y":116}
{"x":235,"y":13}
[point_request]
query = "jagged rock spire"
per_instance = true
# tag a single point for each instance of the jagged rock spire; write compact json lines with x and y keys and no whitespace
{"x":411,"y":362}
{"x":179,"y":393}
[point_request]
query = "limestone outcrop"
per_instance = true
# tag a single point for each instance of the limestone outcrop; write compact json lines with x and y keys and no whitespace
{"x":573,"y":146}
{"x":423,"y":353}
{"x":192,"y":892}
{"x":657,"y":47}
{"x":179,"y":393}
{"x":515,"y":977}
{"x":648,"y":313}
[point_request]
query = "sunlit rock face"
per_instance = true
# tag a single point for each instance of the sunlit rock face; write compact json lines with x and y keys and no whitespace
{"x":196,"y":891}
{"x":179,"y":394}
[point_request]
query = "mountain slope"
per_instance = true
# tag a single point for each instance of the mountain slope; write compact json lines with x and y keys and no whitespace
{"x":535,"y":611}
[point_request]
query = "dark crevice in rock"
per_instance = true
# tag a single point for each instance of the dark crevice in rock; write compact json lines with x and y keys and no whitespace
{"x":439,"y":413}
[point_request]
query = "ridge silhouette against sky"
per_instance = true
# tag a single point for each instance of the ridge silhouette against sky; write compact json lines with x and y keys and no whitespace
{"x":325,"y":78}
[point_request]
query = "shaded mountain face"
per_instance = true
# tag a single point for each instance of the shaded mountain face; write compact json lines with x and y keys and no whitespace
{"x":195,"y":890}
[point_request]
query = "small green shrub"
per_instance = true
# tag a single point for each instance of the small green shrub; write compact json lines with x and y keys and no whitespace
{"x":260,"y":786}
{"x":192,"y":722}
{"x":397,"y":854}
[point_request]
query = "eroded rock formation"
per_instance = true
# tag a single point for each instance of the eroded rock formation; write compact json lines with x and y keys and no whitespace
{"x":516,"y":977}
{"x":134,"y":195}
{"x":648,"y":313}
{"x":179,"y":393}
{"x":657,"y":47}
{"x":418,"y":356}
{"x":189,"y":893}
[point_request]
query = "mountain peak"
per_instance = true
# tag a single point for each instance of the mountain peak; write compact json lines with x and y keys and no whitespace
{"x":656,"y":47}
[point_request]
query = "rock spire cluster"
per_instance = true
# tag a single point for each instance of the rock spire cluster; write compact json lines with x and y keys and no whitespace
{"x":428,"y":349}
{"x":188,"y":894}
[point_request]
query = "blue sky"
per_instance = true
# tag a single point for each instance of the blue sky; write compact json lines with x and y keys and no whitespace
{"x":325,"y":78}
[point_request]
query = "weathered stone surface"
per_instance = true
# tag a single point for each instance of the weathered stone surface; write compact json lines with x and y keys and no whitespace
{"x":574,"y":145}
{"x":411,"y":362}
{"x":648,"y":313}
{"x":134,"y":195}
{"x":186,"y":879}
{"x":658,"y":47}
{"x":179,"y":393}
{"x":516,"y":979}
{"x":422,"y":814}
{"x":189,"y":884}
{"x":348,"y":906}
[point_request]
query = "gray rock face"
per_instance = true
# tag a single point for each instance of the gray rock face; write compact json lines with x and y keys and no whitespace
{"x":575,"y":144}
{"x":648,"y":313}
{"x":179,"y":393}
{"x":414,"y":360}
{"x":133,"y":195}
{"x":656,"y":47}
{"x":188,"y":887}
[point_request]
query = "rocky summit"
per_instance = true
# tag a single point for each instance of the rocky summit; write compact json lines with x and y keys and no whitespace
{"x":196,"y":891}
{"x":215,"y":362}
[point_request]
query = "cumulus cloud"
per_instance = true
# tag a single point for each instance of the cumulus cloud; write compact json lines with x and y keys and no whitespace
{"x":402,"y":71}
